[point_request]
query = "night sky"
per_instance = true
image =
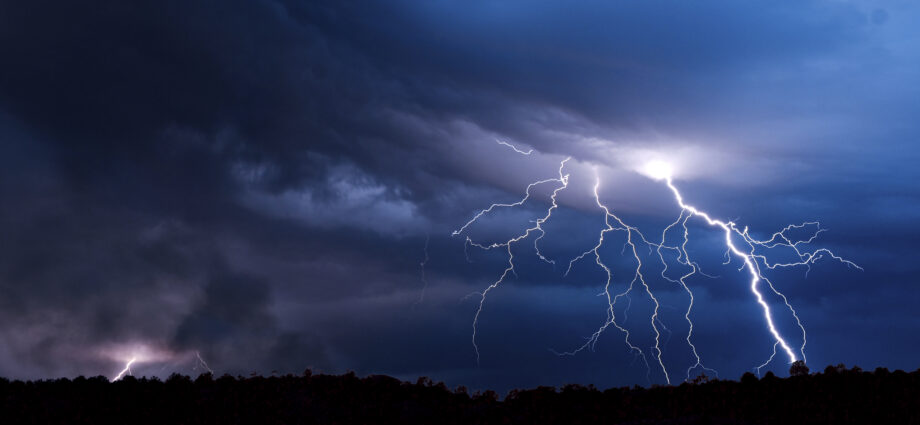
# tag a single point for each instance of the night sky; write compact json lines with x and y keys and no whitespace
{"x":257,"y":182}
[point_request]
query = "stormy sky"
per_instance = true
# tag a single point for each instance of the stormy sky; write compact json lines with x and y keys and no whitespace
{"x":256,"y":182}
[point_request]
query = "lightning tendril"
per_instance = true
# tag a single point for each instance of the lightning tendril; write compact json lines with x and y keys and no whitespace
{"x":739,"y":243}
{"x":563,"y":181}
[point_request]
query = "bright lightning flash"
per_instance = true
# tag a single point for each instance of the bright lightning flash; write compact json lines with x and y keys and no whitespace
{"x":658,"y":170}
{"x":738,"y":242}
{"x":126,"y":370}
{"x":133,"y":354}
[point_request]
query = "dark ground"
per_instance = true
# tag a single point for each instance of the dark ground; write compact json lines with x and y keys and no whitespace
{"x":838,"y":395}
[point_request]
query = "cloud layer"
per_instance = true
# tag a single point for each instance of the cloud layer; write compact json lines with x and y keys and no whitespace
{"x":255,"y":181}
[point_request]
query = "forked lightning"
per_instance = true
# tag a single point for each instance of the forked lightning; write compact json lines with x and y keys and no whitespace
{"x":738,"y":243}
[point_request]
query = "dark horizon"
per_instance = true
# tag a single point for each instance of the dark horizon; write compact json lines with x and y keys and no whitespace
{"x":273,"y":185}
{"x":837,"y":395}
{"x":308,"y":372}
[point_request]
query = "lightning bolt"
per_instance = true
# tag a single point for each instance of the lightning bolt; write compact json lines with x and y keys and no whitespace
{"x":739,"y":243}
{"x":203,"y":363}
{"x":753,"y":261}
{"x":633,"y":235}
{"x":151,"y":353}
{"x":563,"y":182}
{"x":126,"y":370}
{"x":683,"y":257}
{"x":528,"y":152}
{"x":764,"y":364}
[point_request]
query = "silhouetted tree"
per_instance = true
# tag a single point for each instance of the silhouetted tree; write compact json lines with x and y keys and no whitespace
{"x":487,"y":395}
{"x":204,"y":377}
{"x":702,"y":379}
{"x":798,"y":368}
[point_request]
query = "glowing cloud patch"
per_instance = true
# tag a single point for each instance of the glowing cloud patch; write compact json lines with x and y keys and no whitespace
{"x":658,"y":170}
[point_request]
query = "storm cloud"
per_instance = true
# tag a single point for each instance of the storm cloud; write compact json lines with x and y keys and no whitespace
{"x":255,"y":181}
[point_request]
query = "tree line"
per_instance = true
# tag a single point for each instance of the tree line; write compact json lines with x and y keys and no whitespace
{"x":836,"y":395}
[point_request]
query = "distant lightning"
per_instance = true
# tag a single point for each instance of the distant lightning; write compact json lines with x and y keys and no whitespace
{"x":151,"y":354}
{"x":203,"y":363}
{"x":126,"y":370}
{"x":738,"y":244}
{"x":421,"y":265}
{"x":528,"y":152}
